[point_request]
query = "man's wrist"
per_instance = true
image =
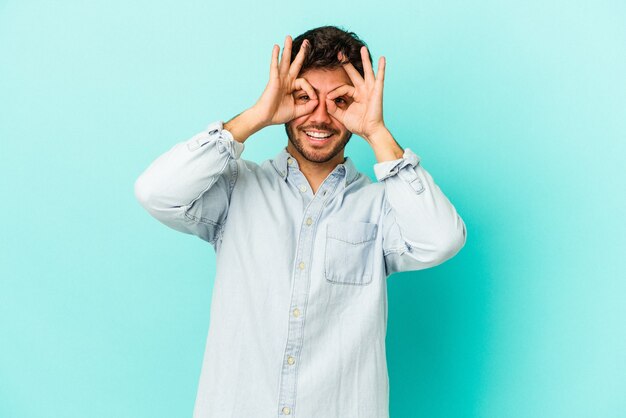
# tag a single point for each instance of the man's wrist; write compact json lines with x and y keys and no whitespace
{"x":385,"y":146}
{"x":244,"y":125}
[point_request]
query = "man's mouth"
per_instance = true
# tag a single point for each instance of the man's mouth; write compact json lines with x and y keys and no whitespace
{"x":318,"y":136}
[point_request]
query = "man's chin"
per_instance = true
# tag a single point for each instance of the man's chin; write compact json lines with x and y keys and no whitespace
{"x":317,"y":156}
{"x":316,"y":151}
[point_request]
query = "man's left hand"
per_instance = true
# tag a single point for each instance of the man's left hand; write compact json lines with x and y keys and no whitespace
{"x":363,"y":113}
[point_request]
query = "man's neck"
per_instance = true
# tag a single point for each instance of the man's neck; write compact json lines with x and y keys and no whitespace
{"x":315,"y":173}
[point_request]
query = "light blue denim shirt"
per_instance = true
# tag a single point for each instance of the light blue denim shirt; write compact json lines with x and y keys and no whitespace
{"x":298,"y":316}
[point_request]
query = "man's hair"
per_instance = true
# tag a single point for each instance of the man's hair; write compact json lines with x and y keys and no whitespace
{"x":325,"y":42}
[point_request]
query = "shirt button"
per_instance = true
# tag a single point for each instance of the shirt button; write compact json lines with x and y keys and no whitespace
{"x":309,"y":221}
{"x":289,"y":161}
{"x":291,"y":360}
{"x":286,"y":410}
{"x":296,"y":312}
{"x":301,"y":265}
{"x":303,"y":188}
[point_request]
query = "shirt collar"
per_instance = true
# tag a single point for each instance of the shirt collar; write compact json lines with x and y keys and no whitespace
{"x":280,"y":164}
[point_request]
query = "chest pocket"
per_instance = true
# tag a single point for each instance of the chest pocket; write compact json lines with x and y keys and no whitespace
{"x":349,"y":252}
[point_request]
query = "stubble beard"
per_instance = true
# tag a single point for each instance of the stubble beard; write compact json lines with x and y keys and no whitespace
{"x":316,"y":156}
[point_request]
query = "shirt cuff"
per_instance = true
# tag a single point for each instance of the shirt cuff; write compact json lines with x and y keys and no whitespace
{"x":225,"y":141}
{"x":390,"y":168}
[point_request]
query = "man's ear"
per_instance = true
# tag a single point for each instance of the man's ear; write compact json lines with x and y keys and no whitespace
{"x":341,"y":56}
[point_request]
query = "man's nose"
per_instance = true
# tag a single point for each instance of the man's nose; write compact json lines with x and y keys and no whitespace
{"x":320,"y":113}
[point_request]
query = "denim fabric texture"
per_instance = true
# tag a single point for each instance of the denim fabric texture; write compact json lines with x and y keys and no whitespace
{"x":298,"y":316}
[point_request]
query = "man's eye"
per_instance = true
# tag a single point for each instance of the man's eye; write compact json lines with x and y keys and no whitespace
{"x":342,"y":100}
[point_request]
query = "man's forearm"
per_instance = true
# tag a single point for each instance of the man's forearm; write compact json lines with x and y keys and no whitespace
{"x":244,"y":125}
{"x":385,"y":147}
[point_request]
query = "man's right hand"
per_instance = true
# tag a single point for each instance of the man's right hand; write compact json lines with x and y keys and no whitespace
{"x":277,"y":104}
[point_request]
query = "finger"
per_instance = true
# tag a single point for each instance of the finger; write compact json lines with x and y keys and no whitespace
{"x":305,"y":108}
{"x":334,"y":110}
{"x":274,"y":62}
{"x":380,"y":79}
{"x":354,"y":75}
{"x":342,"y":90}
{"x":367,"y":66}
{"x":294,"y":69}
{"x":311,"y":104}
{"x":286,"y":57}
{"x":303,"y":84}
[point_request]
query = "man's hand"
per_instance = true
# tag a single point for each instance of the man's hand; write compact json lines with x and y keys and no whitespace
{"x":277,"y":104}
{"x":364,"y":114}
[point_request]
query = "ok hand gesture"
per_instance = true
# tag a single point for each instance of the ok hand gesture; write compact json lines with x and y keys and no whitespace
{"x":277,"y":104}
{"x":364,"y":114}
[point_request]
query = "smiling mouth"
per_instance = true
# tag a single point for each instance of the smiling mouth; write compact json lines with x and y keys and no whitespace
{"x":318,"y":136}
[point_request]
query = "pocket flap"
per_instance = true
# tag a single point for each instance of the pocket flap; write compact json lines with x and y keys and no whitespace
{"x":353,"y":232}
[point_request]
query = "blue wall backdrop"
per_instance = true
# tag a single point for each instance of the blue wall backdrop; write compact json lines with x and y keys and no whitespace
{"x":517,"y":109}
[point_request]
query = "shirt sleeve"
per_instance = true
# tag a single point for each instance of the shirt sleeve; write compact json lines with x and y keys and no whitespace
{"x":188,"y":188}
{"x":421,"y":228}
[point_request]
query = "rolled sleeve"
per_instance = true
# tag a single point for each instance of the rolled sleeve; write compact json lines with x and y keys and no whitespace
{"x":387,"y":169}
{"x":188,"y":188}
{"x":225,"y":141}
{"x":421,"y":228}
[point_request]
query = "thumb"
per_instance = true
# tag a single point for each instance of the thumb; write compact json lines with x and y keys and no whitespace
{"x":334,"y":110}
{"x":306,"y":108}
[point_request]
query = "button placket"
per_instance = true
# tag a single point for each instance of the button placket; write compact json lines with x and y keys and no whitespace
{"x":300,"y":293}
{"x":297,"y":180}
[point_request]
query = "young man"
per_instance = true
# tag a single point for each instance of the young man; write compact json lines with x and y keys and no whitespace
{"x":304,"y":242}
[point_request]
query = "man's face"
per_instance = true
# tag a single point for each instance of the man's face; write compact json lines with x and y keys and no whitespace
{"x":320,"y":150}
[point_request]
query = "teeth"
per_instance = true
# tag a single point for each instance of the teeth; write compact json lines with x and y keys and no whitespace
{"x":318,"y":134}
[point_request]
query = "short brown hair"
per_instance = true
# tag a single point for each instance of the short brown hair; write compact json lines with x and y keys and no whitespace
{"x":325,"y":42}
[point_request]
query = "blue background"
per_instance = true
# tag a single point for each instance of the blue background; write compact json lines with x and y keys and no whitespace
{"x":517,"y":109}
